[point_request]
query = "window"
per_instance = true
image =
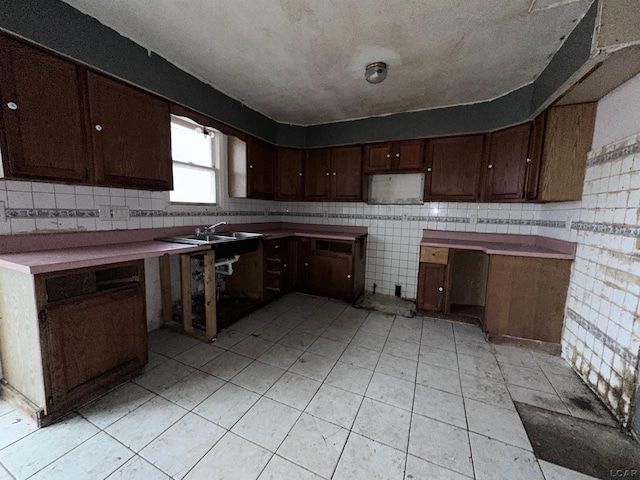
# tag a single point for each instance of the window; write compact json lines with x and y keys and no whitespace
{"x":195,"y":153}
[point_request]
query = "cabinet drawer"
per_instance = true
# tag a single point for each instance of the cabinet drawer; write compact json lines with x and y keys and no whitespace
{"x":434,"y":255}
{"x":274,"y":248}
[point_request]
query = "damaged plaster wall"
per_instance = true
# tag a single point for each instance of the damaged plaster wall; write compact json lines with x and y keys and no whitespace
{"x":601,"y":338}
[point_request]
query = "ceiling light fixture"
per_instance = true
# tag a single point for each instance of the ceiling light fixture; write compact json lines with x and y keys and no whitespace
{"x":375,"y":72}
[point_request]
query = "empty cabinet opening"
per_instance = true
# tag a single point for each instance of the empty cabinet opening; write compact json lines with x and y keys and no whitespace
{"x":61,"y":287}
{"x":337,"y":247}
{"x":469,"y":271}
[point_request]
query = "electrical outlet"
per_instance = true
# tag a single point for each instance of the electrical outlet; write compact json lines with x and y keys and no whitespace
{"x":405,"y":217}
{"x":104,"y":212}
{"x":473,"y":219}
{"x":3,"y":213}
{"x":266,"y":213}
{"x":567,"y":225}
{"x":325,"y":214}
{"x":121,"y":213}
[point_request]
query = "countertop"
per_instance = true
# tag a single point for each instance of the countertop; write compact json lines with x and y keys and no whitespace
{"x":501,"y":244}
{"x":45,"y":261}
{"x":44,"y":253}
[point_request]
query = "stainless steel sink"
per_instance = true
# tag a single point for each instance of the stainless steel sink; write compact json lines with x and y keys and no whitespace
{"x":225,"y":244}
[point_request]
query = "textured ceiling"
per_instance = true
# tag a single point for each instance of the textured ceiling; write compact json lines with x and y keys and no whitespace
{"x":302,"y":61}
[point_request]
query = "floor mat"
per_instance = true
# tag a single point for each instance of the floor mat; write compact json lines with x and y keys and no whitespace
{"x":588,"y":447}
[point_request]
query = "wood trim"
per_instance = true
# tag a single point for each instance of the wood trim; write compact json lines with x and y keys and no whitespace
{"x":185,"y":287}
{"x":165,"y":289}
{"x":210,"y":294}
{"x":206,"y":121}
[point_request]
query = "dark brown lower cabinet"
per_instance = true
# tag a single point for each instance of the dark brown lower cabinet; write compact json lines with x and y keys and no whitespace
{"x":277,"y":267}
{"x":431,"y":286}
{"x":330,"y":268}
{"x":75,"y":335}
{"x":518,"y":300}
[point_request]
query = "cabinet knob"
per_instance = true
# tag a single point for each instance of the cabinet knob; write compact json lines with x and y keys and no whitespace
{"x":397,"y":155}
{"x":490,"y":166}
{"x":348,"y":276}
{"x":12,"y":106}
{"x":300,"y":174}
{"x":440,"y":289}
{"x":334,"y":174}
{"x":306,"y":264}
{"x":99,"y":128}
{"x":285,"y":265}
{"x":250,"y":166}
{"x":277,"y":246}
{"x":388,"y":155}
{"x":327,"y":174}
{"x":528,"y":160}
{"x":429,"y":169}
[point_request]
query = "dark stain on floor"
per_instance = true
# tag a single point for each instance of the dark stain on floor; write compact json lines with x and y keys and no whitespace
{"x":582,"y":404}
{"x":588,"y":447}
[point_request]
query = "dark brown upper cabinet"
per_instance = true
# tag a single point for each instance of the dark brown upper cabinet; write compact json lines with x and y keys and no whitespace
{"x":42,"y":116}
{"x":334,"y":174}
{"x":289,"y":174}
{"x":389,"y":157}
{"x":261,"y":160}
{"x":452,"y":168}
{"x":317,"y":175}
{"x":131,"y":136}
{"x":568,"y":136}
{"x":346,"y":174}
{"x":506,"y":164}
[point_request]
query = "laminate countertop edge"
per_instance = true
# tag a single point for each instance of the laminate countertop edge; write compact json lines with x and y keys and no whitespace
{"x":502,"y":244}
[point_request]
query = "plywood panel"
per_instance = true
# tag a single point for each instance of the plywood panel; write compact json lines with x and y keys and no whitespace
{"x":526,"y":297}
{"x":20,"y":335}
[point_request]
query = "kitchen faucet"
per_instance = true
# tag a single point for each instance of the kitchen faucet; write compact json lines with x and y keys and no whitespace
{"x":212,"y":228}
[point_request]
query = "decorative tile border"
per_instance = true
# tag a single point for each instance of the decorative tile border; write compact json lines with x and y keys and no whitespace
{"x":615,"y":154}
{"x":609,"y":342}
{"x":608,"y":228}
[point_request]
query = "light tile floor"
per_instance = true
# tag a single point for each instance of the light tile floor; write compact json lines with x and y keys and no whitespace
{"x":309,"y":388}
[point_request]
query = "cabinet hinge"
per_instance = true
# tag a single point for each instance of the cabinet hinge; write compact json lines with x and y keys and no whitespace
{"x":42,"y":316}
{"x":50,"y":401}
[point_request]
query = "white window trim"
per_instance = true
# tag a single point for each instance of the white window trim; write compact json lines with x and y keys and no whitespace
{"x":220,"y":147}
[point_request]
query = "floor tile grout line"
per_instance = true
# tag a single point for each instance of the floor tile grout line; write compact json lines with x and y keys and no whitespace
{"x":464,"y":406}
{"x":413,"y":402}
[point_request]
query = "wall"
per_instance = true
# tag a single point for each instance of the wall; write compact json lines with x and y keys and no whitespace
{"x":601,"y":338}
{"x":394,"y":231}
{"x":58,"y":26}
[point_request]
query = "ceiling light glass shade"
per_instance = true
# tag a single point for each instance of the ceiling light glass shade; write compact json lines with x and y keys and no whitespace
{"x":375,"y":72}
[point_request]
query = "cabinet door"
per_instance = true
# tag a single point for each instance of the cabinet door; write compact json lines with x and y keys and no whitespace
{"x":93,"y":341}
{"x":131,"y":136}
{"x":261,"y":157}
{"x":289,"y":178}
{"x":317,"y":178}
{"x":453,"y":168}
{"x":507,"y":163}
{"x":43,"y":115}
{"x":331,"y":275}
{"x":377,"y":157}
{"x":431,"y":286}
{"x":408,"y":155}
{"x":301,"y":264}
{"x":346,"y":174}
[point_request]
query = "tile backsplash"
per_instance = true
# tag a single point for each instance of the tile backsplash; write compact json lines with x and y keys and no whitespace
{"x":394,"y":231}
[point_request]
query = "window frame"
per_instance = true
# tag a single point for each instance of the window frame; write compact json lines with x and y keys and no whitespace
{"x":218,"y":142}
